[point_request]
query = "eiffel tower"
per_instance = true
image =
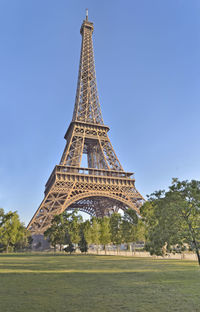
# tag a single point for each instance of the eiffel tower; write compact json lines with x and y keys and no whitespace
{"x":101,"y":188}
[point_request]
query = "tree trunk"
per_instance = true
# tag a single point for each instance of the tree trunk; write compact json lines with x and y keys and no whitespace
{"x":131,"y":246}
{"x":134,"y":249}
{"x":7,"y":248}
{"x":105,"y":249}
{"x":194,"y":242}
{"x":197,"y":250}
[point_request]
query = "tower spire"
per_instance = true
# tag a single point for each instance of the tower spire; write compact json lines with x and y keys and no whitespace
{"x":87,"y":106}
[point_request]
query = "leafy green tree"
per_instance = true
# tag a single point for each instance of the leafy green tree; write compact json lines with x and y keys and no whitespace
{"x":130,"y":216}
{"x":140,"y":231}
{"x":12,"y":230}
{"x":87,"y":232}
{"x":172,"y":218}
{"x":74,"y":228}
{"x":129,"y":226}
{"x":2,"y":247}
{"x":105,"y":235}
{"x":95,"y":232}
{"x":116,"y":229}
{"x":83,"y":246}
{"x":65,"y":229}
{"x":1,"y":214}
{"x":56,"y":233}
{"x":24,"y":239}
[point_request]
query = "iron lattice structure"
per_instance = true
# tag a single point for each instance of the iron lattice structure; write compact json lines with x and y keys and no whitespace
{"x":102,"y":187}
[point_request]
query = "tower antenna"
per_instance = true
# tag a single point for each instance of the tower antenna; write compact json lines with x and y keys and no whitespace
{"x":86,"y":14}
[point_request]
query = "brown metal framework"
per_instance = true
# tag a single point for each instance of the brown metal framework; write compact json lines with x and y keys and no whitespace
{"x":102,"y":187}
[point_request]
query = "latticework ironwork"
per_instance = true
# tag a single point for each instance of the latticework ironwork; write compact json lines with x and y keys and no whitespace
{"x":103,"y":186}
{"x":87,"y":107}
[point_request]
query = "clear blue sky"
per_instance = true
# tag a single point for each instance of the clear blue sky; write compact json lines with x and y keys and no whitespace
{"x":148,"y":74}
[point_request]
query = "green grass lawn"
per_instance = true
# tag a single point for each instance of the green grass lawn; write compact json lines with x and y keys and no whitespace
{"x":42,"y":283}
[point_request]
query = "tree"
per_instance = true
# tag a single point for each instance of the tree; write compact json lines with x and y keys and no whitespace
{"x":74,"y":228}
{"x":140,"y":231}
{"x":115,"y":229}
{"x":12,"y":230}
{"x":129,"y":226}
{"x":95,"y":232}
{"x":64,"y":229}
{"x":2,"y":247}
{"x":105,"y":235}
{"x":87,"y":232}
{"x":1,"y":214}
{"x":24,"y":239}
{"x":172,"y":218}
{"x":56,"y":233}
{"x":83,"y":246}
{"x":130,"y":216}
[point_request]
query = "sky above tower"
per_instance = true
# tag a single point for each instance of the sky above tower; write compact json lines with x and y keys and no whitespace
{"x":148,"y":76}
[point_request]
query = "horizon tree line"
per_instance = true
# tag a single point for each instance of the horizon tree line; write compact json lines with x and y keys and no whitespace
{"x":69,"y":229}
